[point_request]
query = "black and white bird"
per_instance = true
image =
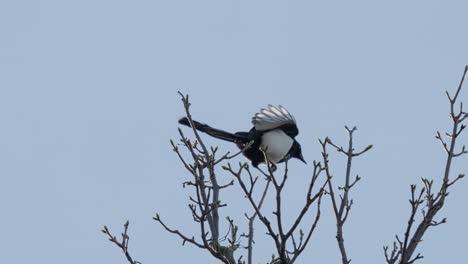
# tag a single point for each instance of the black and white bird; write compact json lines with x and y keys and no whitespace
{"x":274,"y":132}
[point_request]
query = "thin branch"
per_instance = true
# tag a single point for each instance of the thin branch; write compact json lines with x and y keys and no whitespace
{"x":251,"y":223}
{"x":254,"y":205}
{"x":433,"y":202}
{"x":309,"y":234}
{"x":178,"y":233}
{"x":123,"y":244}
{"x":280,"y":235}
{"x":205,"y":204}
{"x":343,"y":208}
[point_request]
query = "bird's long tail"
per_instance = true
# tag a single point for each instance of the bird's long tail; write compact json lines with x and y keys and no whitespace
{"x":217,"y":133}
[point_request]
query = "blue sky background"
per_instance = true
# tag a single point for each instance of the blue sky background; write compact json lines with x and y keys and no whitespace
{"x":88,"y":104}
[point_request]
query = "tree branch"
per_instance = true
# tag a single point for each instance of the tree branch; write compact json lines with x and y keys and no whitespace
{"x":205,"y":204}
{"x":123,"y":244}
{"x":342,"y":208}
{"x":251,"y":223}
{"x":280,"y":235}
{"x":434,"y":203}
{"x":178,"y":233}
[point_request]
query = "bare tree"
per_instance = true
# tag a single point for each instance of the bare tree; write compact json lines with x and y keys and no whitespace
{"x":290,"y":241}
{"x":426,"y":200}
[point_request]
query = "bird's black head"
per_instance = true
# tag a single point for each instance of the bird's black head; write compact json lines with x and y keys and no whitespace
{"x":296,"y":152}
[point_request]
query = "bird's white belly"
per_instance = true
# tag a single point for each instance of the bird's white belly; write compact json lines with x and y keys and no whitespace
{"x":277,"y":144}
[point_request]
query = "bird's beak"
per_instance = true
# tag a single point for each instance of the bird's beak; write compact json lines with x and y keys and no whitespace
{"x":302,"y":158}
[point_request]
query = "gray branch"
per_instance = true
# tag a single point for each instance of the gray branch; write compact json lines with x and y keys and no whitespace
{"x":123,"y":244}
{"x":343,"y":207}
{"x":403,"y":252}
{"x":281,"y":236}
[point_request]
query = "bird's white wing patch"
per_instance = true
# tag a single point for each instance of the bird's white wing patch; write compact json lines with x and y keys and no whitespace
{"x":272,"y":117}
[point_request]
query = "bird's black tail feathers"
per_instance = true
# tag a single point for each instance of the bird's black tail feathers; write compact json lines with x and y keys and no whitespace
{"x":217,"y":133}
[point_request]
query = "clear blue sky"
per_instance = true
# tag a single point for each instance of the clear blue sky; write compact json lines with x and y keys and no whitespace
{"x":88,"y":104}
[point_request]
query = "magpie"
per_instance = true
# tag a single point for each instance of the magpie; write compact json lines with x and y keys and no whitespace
{"x":274,"y":131}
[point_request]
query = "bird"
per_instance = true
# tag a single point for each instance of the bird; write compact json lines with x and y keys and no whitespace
{"x":271,"y":139}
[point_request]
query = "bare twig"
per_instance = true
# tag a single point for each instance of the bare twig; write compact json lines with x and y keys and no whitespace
{"x":123,"y":244}
{"x":403,"y":252}
{"x":177,"y":232}
{"x":248,"y":193}
{"x":205,"y":204}
{"x":342,"y":208}
{"x":251,"y":219}
{"x":280,"y":235}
